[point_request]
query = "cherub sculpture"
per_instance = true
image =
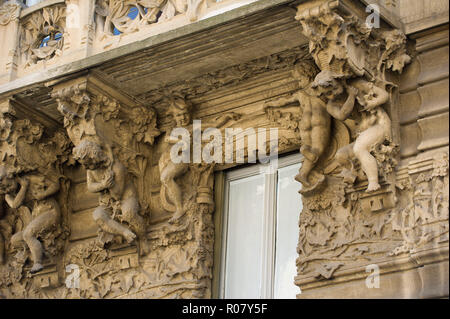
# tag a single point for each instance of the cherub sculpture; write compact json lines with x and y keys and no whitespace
{"x":315,"y":124}
{"x":118,"y":196}
{"x":169,"y":171}
{"x":374,"y":129}
{"x":37,"y":190}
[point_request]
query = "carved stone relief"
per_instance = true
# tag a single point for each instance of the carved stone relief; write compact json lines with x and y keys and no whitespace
{"x":114,"y":15}
{"x":42,"y":34}
{"x":229,"y":76}
{"x":423,"y":220}
{"x":110,"y":160}
{"x":152,"y":218}
{"x":9,"y":11}
{"x":144,"y":246}
{"x":34,"y":224}
{"x":349,"y":194}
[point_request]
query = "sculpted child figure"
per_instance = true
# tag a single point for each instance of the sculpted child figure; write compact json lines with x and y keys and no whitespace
{"x":37,"y":190}
{"x":7,"y":185}
{"x":118,"y":196}
{"x":315,"y":124}
{"x":375,"y":128}
{"x":169,"y":171}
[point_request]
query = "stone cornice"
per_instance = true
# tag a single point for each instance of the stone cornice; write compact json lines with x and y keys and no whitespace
{"x":133,"y":48}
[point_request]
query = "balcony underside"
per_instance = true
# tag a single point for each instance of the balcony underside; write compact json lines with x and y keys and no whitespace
{"x":252,"y":47}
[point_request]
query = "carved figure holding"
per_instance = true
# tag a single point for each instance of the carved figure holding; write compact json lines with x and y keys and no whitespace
{"x":315,"y":123}
{"x":118,"y":199}
{"x":37,"y":190}
{"x":374,"y":128}
{"x":169,"y":171}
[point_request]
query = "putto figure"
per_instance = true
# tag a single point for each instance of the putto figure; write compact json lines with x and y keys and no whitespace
{"x":181,"y":113}
{"x":38,"y":190}
{"x":169,"y":171}
{"x":118,"y":196}
{"x":374,"y":129}
{"x":315,"y":125}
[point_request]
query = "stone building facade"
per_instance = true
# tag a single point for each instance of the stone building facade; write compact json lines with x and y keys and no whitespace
{"x":93,"y":205}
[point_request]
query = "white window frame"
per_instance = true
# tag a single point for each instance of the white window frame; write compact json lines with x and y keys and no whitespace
{"x":269,"y":222}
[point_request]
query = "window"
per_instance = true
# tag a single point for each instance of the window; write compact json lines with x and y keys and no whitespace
{"x":31,"y":2}
{"x":260,"y":232}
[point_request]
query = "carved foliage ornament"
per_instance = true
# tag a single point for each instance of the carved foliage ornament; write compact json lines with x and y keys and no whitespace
{"x":424,"y":221}
{"x":115,"y":15}
{"x":112,"y":143}
{"x":24,"y":146}
{"x":10,"y":11}
{"x":229,"y":76}
{"x":345,"y":45}
{"x":81,"y":108}
{"x":42,"y":34}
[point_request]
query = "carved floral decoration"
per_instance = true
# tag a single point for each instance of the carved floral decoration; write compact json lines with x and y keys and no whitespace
{"x":9,"y":11}
{"x":124,"y":17}
{"x":42,"y":34}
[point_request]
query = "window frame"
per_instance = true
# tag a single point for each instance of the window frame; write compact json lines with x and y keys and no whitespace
{"x":268,"y":249}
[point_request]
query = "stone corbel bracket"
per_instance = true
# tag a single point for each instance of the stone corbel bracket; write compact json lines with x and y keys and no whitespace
{"x":345,"y":44}
{"x":95,"y":110}
{"x":28,"y":140}
{"x":337,"y":222}
{"x":102,"y":113}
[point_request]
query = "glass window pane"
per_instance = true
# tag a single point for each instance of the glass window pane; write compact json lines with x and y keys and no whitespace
{"x":243,"y":256}
{"x":32,"y":2}
{"x":289,"y":206}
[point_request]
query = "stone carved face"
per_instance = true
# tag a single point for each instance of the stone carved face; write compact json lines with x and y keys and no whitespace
{"x":90,"y":155}
{"x":327,"y":84}
{"x":180,"y":112}
{"x":38,"y":185}
{"x":182,"y":118}
{"x":366,"y":92}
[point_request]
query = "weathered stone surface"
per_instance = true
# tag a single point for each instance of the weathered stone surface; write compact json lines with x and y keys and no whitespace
{"x":86,"y":175}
